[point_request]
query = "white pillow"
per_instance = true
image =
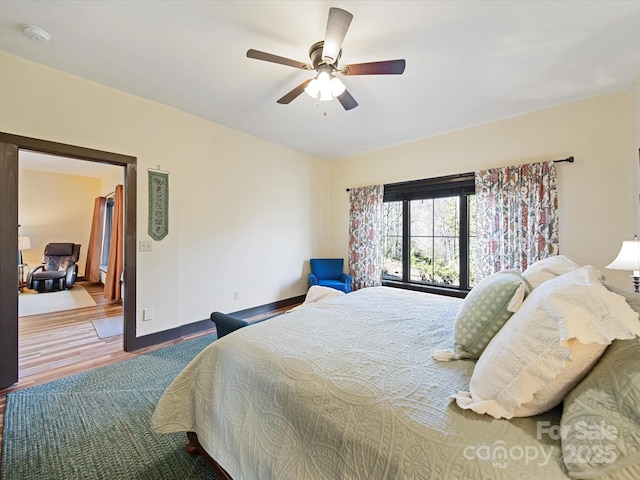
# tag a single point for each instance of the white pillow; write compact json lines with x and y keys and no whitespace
{"x":317,"y":294}
{"x":548,"y":268}
{"x":547,"y":346}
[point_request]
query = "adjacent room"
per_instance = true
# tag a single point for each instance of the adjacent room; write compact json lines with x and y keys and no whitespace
{"x":361,"y":239}
{"x":73,"y":307}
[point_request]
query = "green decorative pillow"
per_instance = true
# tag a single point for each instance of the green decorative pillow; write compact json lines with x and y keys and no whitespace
{"x":606,"y":401}
{"x":485,"y":310}
{"x":600,"y":423}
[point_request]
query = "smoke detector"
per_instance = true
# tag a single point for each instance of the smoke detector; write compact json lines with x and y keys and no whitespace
{"x":36,"y":34}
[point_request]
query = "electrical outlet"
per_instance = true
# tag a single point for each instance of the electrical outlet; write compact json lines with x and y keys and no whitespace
{"x":147,"y":314}
{"x":145,"y":245}
{"x":236,"y":295}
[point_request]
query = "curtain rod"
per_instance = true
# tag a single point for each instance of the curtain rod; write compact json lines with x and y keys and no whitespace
{"x":568,"y":160}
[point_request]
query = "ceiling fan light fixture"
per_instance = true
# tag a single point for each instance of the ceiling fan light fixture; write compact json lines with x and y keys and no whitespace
{"x":324,"y":80}
{"x":337,"y":87}
{"x":312,"y":89}
{"x":320,"y":87}
{"x":319,"y":90}
{"x":325,"y":86}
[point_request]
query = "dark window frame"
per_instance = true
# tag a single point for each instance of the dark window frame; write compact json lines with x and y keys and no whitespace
{"x":462,"y":185}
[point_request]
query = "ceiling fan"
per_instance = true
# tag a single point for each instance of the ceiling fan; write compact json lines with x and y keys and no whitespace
{"x":324,"y":57}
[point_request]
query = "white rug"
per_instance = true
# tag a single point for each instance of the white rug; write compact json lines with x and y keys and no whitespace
{"x":36,"y":303}
{"x":109,"y":326}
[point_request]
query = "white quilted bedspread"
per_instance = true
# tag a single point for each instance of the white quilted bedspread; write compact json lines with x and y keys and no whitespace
{"x":347,"y":389}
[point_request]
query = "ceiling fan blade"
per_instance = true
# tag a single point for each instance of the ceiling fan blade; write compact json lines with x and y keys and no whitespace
{"x":347,"y":101}
{"x":387,"y":67}
{"x":337,"y":26}
{"x":294,"y":93}
{"x":269,"y":57}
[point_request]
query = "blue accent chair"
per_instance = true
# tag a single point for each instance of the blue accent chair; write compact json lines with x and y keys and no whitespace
{"x":327,"y":272}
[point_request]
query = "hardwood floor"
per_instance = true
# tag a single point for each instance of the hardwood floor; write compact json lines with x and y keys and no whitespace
{"x":59,"y":344}
{"x":53,"y":345}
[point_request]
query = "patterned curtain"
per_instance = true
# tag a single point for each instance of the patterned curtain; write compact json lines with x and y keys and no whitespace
{"x":365,"y":244}
{"x":115,"y":265}
{"x":516,"y":220}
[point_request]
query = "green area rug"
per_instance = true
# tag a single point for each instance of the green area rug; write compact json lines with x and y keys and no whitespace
{"x":97,"y":425}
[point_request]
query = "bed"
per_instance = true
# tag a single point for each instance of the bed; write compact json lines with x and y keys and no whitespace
{"x":348,"y":388}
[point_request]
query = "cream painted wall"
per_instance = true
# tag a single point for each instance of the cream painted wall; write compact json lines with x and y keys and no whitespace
{"x":108,"y":183}
{"x":61,"y":217}
{"x":597,"y":199}
{"x":245,"y":214}
{"x":250,"y":213}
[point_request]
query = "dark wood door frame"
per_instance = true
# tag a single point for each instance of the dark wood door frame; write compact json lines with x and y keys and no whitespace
{"x":9,"y":146}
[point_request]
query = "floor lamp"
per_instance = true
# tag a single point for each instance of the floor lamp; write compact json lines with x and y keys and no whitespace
{"x":24,"y":243}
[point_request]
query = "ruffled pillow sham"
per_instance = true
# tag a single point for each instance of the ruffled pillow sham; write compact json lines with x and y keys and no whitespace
{"x":547,"y":269}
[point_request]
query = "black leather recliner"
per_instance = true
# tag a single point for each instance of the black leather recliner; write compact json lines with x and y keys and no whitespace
{"x":59,"y":268}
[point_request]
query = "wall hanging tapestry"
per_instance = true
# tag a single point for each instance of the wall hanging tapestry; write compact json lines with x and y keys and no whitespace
{"x":158,"y":204}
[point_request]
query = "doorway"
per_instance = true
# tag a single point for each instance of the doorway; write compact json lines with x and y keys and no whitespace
{"x":72,"y":327}
{"x":9,"y":173}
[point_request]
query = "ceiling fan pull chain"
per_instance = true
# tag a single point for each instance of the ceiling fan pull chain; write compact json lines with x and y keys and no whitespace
{"x":318,"y":106}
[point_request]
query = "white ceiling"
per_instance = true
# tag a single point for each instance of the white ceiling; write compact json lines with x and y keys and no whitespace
{"x":51,"y":163}
{"x":468,"y":62}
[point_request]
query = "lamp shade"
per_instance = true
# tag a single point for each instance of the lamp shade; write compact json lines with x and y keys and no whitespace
{"x":24,"y":243}
{"x":628,"y":258}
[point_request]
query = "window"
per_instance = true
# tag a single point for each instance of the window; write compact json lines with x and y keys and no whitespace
{"x":428,"y":234}
{"x":106,"y":235}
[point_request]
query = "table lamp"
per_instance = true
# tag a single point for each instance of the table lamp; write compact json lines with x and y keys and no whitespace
{"x":629,"y":259}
